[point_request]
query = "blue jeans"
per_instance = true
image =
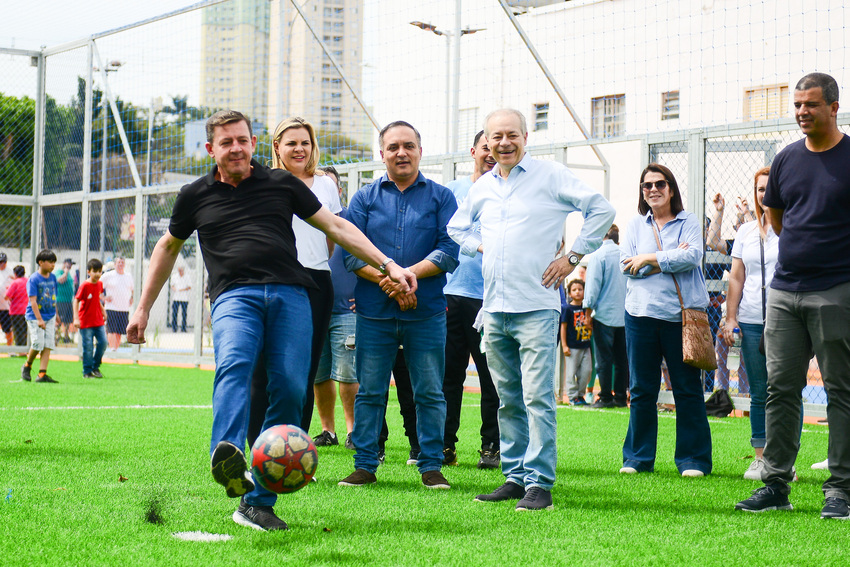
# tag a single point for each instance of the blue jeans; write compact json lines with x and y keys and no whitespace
{"x":337,"y":360}
{"x":521,"y":350}
{"x":648,"y":340}
{"x":88,"y":336}
{"x":612,"y":364}
{"x":274,"y":320}
{"x":424,"y":343}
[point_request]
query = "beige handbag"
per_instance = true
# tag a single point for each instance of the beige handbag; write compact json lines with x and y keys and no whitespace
{"x":697,"y":346}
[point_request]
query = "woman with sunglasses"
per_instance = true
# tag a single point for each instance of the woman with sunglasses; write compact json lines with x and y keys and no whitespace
{"x":296,"y":150}
{"x":654,"y":324}
{"x":754,"y":256}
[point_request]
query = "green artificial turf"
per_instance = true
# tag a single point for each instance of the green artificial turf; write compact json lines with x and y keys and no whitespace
{"x":64,"y":449}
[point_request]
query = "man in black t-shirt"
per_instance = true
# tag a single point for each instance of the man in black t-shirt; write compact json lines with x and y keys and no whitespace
{"x":243,"y":214}
{"x":808,"y":203}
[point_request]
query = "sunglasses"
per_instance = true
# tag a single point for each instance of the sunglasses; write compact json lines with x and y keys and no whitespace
{"x":660,"y":185}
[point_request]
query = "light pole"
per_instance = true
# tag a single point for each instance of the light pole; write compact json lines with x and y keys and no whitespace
{"x":156,"y":106}
{"x":452,"y":94}
{"x":110,"y":67}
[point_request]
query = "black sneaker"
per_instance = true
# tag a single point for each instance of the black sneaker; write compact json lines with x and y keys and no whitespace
{"x":413,"y":458}
{"x":449,"y":457}
{"x":764,"y":499}
{"x":535,"y":499}
{"x":435,"y":479}
{"x":88,"y":375}
{"x":325,"y":439}
{"x":382,"y":456}
{"x":835,"y":509}
{"x":230,"y":469}
{"x":260,"y":518}
{"x":490,"y":459}
{"x":621,"y":403}
{"x":349,"y":444}
{"x":44,"y":378}
{"x":360,"y":477}
{"x":603,"y":404}
{"x":508,"y":491}
{"x":26,"y":373}
{"x":96,"y":374}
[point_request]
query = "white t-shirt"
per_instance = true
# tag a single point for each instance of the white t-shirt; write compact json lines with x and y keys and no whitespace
{"x":746,"y":248}
{"x":311,"y":243}
{"x":6,"y":277}
{"x":118,"y":287}
{"x":181,"y":286}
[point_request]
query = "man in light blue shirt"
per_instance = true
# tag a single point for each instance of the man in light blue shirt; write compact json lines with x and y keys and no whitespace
{"x":521,"y":206}
{"x":605,"y":296}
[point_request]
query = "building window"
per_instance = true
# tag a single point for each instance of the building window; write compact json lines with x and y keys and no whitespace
{"x":764,"y":103}
{"x":541,"y":116}
{"x":670,"y":105}
{"x":608,"y":116}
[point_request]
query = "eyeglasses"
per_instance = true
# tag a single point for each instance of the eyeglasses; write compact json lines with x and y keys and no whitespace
{"x":660,"y":185}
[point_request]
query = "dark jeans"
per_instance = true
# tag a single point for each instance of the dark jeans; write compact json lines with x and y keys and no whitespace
{"x":175,"y":307}
{"x":462,"y":340}
{"x":612,"y":364}
{"x":648,"y":340}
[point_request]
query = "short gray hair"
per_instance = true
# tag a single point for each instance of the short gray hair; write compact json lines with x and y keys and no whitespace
{"x":515,"y":112}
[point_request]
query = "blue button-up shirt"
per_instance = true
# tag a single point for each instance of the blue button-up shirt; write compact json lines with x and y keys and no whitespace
{"x":655,"y":296}
{"x":466,"y":280}
{"x":605,"y":288}
{"x":522,"y":223}
{"x":409,"y":226}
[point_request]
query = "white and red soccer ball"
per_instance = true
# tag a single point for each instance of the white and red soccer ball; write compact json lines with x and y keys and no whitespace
{"x":284,"y":459}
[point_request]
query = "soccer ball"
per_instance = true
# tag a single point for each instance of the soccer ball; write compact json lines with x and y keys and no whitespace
{"x":284,"y":459}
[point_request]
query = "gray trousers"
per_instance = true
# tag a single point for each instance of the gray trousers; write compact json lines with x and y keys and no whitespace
{"x":798,"y":322}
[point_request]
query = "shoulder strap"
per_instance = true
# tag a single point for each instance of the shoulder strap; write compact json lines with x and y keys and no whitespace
{"x":678,"y":291}
{"x":763,"y":287}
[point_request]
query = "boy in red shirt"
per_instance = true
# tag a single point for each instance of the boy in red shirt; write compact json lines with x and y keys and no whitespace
{"x":89,"y":317}
{"x":16,"y":295}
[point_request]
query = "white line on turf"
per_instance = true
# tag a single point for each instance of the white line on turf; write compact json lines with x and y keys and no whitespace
{"x":65,"y":408}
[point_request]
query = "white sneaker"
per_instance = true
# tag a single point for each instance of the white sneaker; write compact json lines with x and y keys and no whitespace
{"x":692,"y":473}
{"x":821,"y":465}
{"x":755,"y":469}
{"x":628,"y":470}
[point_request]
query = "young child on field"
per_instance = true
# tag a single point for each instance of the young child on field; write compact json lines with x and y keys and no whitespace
{"x":90,"y":317}
{"x":575,"y":342}
{"x":41,"y":316}
{"x":16,"y":295}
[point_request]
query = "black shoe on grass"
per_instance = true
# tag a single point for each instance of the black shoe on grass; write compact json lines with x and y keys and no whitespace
{"x":230,"y":469}
{"x":449,"y":457}
{"x":45,"y":379}
{"x":26,"y":373}
{"x":603,"y":404}
{"x":325,"y":439}
{"x":349,"y":444}
{"x":535,"y":498}
{"x":260,"y":518}
{"x":360,"y":477}
{"x":508,"y":491}
{"x":96,"y":374}
{"x":835,"y":509}
{"x":490,"y":459}
{"x":765,"y":499}
{"x":413,"y":457}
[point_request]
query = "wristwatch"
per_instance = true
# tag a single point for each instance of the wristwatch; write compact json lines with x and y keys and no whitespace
{"x":383,"y":267}
{"x":573,"y":259}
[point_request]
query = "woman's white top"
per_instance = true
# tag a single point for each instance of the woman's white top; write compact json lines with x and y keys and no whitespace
{"x":311,"y":243}
{"x":746,"y":248}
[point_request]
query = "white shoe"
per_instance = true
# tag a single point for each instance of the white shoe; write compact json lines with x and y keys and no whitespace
{"x":628,"y":470}
{"x":755,"y":469}
{"x":821,"y":465}
{"x":692,"y":473}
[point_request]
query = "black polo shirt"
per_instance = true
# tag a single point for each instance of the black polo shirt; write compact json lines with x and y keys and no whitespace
{"x":245,"y":232}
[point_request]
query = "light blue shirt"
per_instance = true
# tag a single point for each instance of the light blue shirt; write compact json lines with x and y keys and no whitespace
{"x":522,"y":223}
{"x":605,"y":286}
{"x":655,"y":296}
{"x":466,"y":280}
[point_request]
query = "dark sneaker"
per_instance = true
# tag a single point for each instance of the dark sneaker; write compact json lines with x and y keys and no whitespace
{"x":26,"y":373}
{"x":88,"y":375}
{"x":535,"y":498}
{"x":382,"y":456}
{"x":835,"y":509}
{"x":449,"y":457}
{"x":435,"y":479}
{"x":764,"y":499}
{"x":46,"y":379}
{"x":349,"y":444}
{"x":325,"y":439}
{"x":230,"y":469}
{"x":260,"y":518}
{"x":360,"y":477}
{"x":413,"y":458}
{"x":603,"y":404}
{"x":490,"y":459}
{"x":96,"y":374}
{"x":508,"y":491}
{"x":621,"y":403}
{"x":578,"y":402}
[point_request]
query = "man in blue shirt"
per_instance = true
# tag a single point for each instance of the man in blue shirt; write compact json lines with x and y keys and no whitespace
{"x":407,"y":214}
{"x":464,"y":294}
{"x":522,"y":205}
{"x":605,"y":296}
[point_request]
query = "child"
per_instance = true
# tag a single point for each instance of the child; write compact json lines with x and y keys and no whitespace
{"x":41,"y":316}
{"x":16,"y":295}
{"x":89,"y":317}
{"x":575,"y":341}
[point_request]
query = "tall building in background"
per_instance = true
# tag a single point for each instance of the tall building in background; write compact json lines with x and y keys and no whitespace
{"x":302,"y":81}
{"x":234,"y":57}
